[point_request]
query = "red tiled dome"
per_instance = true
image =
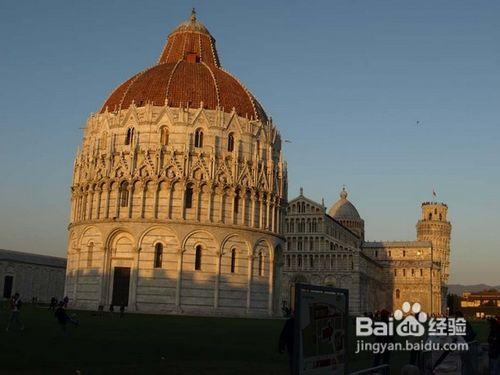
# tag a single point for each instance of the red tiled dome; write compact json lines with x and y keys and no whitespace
{"x":187,"y":74}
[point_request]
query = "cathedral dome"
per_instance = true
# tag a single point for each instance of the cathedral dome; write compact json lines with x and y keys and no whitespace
{"x":188,"y":74}
{"x":343,"y":209}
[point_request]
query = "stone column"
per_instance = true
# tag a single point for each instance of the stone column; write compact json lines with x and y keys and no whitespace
{"x":222,"y":201}
{"x":134,"y":280}
{"x":197,"y":202}
{"x":156,"y":201}
{"x":108,"y":196}
{"x":232,"y":197}
{"x":268,"y":212}
{"x":77,"y":274}
{"x":179,"y":281}
{"x":210,"y":202}
{"x":217,"y":280}
{"x":244,"y":207}
{"x":252,"y":208}
{"x":183,"y":201}
{"x":271,"y":286}
{"x":261,"y":211}
{"x":273,"y":218}
{"x":130,"y":189}
{"x":249,"y":282}
{"x":104,"y":275}
{"x":99,"y":203}
{"x":90,"y":204}
{"x":75,"y":205}
{"x":170,"y":191}
{"x":142,"y":212}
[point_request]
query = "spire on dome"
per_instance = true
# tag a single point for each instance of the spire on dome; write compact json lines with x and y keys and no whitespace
{"x":190,"y":37}
{"x":343,"y":193}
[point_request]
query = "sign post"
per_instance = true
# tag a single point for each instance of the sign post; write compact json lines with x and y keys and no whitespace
{"x":321,"y":320}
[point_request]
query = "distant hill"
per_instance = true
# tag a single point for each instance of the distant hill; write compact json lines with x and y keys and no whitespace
{"x":459,"y":289}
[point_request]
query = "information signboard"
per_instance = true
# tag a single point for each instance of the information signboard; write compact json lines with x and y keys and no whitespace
{"x":321,"y":319}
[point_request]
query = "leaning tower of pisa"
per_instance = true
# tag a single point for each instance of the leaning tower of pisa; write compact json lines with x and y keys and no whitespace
{"x":435,"y":227}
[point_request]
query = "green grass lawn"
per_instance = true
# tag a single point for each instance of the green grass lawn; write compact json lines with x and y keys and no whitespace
{"x":149,"y":344}
{"x":140,"y":343}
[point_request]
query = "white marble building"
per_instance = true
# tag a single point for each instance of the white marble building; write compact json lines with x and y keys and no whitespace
{"x":329,"y":248}
{"x":178,"y":192}
{"x":31,"y":275}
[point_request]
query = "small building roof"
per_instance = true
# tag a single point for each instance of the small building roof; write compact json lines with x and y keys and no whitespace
{"x":30,"y":258}
{"x":383,"y":244}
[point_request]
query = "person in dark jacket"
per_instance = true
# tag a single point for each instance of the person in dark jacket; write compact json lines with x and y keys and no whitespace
{"x":494,"y":346}
{"x":382,"y":358}
{"x":287,"y":338}
{"x":63,"y":318}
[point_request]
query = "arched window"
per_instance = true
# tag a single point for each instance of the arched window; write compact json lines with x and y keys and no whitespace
{"x":395,"y":272}
{"x":130,"y":136}
{"x":261,"y":264}
{"x":230,"y":142}
{"x":404,"y":253}
{"x":404,"y":272}
{"x":198,"y":138}
{"x":188,"y":199}
{"x":440,"y":217}
{"x":233,"y":260}
{"x":197,"y":258}
{"x":158,"y":255}
{"x":236,"y":202}
{"x":430,"y":215}
{"x":90,"y":254}
{"x":288,"y":261}
{"x":398,"y":294}
{"x":124,"y":194}
{"x":311,"y":261}
{"x":299,"y":261}
{"x":164,"y":135}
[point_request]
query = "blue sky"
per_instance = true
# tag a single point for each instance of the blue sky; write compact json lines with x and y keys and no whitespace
{"x":346,"y":81}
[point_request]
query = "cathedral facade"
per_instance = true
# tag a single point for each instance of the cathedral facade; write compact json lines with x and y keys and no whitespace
{"x":178,"y":192}
{"x":329,"y":248}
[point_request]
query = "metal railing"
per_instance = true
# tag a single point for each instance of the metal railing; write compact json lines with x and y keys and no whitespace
{"x":379,"y":370}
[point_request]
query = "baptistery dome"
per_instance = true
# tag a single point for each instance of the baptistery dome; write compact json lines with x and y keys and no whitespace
{"x":178,"y":192}
{"x":188,"y":73}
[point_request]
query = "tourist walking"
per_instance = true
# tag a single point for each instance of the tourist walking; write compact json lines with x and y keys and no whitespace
{"x":53,"y":304}
{"x":286,"y":341}
{"x":63,"y":318}
{"x":15,"y":312}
